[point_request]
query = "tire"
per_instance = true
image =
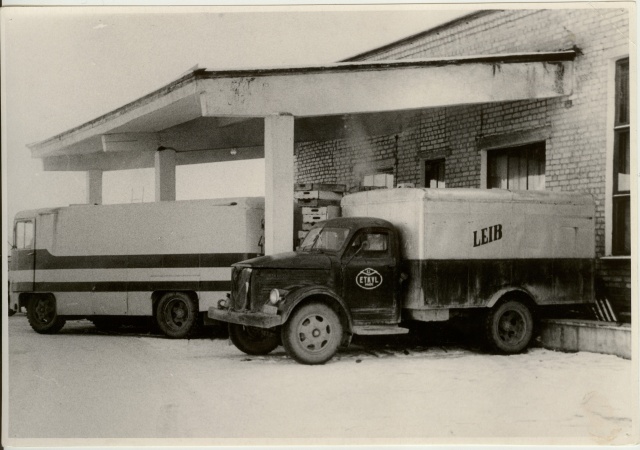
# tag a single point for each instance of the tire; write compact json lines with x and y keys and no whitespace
{"x":509,"y":327}
{"x":252,"y":340}
{"x":177,"y":315}
{"x":42,"y":315}
{"x":312,"y":334}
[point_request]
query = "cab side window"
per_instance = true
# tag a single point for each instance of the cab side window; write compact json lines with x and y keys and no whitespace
{"x":376,"y":244}
{"x":24,"y":235}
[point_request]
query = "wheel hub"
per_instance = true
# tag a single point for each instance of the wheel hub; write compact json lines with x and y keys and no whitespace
{"x":314,"y":333}
{"x":511,"y":327}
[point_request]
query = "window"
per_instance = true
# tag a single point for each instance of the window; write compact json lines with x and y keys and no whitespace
{"x":324,"y":238}
{"x":521,"y":167}
{"x":377,"y":244}
{"x":434,"y":173}
{"x":621,"y":227}
{"x":24,"y":235}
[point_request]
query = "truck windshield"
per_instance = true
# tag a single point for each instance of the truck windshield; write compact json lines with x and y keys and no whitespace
{"x":329,"y":239}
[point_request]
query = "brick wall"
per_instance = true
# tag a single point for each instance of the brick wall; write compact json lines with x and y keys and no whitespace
{"x":575,"y":148}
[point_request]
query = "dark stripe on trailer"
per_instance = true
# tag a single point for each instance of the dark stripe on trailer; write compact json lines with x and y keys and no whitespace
{"x":47,"y":261}
{"x":472,"y":283}
{"x":121,"y":286}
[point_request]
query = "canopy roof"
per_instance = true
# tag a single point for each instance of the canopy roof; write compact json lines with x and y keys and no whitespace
{"x":206,"y":113}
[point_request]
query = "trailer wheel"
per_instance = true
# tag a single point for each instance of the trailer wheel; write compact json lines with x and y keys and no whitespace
{"x":252,"y":340}
{"x":312,"y":334}
{"x":177,"y":315}
{"x":42,"y":315}
{"x":509,"y":327}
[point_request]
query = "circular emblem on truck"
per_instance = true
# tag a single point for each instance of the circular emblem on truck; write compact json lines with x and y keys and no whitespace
{"x":368,"y":279}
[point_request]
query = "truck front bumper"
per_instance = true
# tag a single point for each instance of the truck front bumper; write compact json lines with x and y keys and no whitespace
{"x":252,"y":319}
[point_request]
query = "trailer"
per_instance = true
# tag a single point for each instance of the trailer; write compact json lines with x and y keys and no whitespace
{"x":167,"y":260}
{"x":401,"y":255}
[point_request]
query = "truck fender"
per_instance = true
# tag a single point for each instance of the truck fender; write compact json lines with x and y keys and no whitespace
{"x":506,"y":290}
{"x":295,"y":297}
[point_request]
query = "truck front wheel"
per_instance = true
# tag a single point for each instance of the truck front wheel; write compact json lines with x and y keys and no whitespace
{"x":42,"y":315}
{"x":177,"y":315}
{"x":252,"y":340}
{"x":509,"y":327}
{"x":312,"y":334}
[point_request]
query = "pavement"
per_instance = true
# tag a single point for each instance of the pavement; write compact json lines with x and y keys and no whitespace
{"x":113,"y":388}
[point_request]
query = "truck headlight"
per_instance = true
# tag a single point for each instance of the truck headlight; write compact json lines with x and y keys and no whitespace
{"x":274,"y":296}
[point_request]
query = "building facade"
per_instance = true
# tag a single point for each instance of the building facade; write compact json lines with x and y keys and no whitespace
{"x":579,"y":142}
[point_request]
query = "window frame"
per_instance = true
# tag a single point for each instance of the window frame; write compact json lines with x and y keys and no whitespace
{"x":528,"y":151}
{"x":24,"y":223}
{"x":613,"y":196}
{"x":439,"y":162}
{"x":352,"y":248}
{"x":486,"y":144}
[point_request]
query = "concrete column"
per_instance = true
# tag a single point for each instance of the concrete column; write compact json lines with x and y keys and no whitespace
{"x":165,"y":166}
{"x":94,"y":187}
{"x":278,"y":213}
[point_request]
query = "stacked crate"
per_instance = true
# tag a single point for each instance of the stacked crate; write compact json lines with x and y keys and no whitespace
{"x":318,"y":202}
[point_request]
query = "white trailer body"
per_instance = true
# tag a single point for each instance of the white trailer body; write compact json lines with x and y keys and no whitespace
{"x":103,"y":260}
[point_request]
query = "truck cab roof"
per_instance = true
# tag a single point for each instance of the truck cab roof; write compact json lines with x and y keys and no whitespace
{"x":357,"y":222}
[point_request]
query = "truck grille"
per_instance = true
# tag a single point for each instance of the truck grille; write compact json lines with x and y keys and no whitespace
{"x":241,"y":279}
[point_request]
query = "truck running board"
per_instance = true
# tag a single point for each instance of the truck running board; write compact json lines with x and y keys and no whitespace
{"x":379,"y":329}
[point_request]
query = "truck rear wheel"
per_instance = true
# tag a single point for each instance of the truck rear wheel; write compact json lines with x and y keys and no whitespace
{"x":252,"y":340}
{"x":42,"y":315}
{"x":177,"y":315}
{"x":509,"y":327}
{"x":312,"y":334}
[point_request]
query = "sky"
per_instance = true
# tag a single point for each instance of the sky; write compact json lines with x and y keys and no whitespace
{"x":62,"y":67}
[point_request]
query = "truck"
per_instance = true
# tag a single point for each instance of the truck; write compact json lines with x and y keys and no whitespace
{"x":108,"y":263}
{"x":402,"y":256}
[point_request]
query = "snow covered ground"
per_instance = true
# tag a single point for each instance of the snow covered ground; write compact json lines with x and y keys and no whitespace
{"x":83,"y":383}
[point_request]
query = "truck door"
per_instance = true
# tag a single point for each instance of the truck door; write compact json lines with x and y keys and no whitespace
{"x":370,"y":277}
{"x":23,"y":257}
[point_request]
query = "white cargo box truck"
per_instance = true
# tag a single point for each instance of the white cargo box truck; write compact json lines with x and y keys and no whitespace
{"x":401,"y":255}
{"x":170,"y":260}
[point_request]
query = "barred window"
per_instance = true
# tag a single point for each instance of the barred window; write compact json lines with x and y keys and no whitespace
{"x":521,"y":167}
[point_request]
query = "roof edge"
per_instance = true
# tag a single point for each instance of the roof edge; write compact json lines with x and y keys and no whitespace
{"x":203,"y":74}
{"x":436,"y":29}
{"x":164,"y":89}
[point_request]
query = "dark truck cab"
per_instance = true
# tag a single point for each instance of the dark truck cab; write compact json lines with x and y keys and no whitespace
{"x":340,"y":260}
{"x":401,"y":255}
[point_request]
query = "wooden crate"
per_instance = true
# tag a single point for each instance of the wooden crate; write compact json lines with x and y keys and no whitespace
{"x":310,"y":214}
{"x":318,"y":195}
{"x":315,"y":202}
